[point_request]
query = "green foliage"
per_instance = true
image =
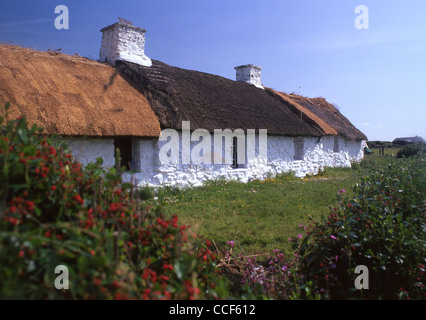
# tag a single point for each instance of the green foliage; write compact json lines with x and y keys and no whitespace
{"x":55,"y":212}
{"x":381,"y":228}
{"x":146,"y":193}
{"x":411,"y":150}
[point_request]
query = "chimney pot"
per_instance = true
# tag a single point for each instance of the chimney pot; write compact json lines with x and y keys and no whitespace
{"x":124,"y":41}
{"x":250,"y":74}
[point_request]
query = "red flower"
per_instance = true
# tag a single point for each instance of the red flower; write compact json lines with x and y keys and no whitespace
{"x":78,"y":199}
{"x":30,"y":205}
{"x":97,"y":281}
{"x":167,"y":266}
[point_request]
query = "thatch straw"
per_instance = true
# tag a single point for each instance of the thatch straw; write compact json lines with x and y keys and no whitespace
{"x":72,"y":96}
{"x":213,"y":102}
{"x":329,"y":113}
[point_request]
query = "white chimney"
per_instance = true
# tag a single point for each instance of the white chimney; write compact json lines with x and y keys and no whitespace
{"x":124,"y":41}
{"x":251,"y":74}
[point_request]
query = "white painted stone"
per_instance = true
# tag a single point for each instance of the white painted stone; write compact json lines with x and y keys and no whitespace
{"x":318,"y":154}
{"x":250,"y":74}
{"x":121,"y":41}
{"x":87,"y":150}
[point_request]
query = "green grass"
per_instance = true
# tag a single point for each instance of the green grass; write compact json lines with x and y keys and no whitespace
{"x":261,"y":215}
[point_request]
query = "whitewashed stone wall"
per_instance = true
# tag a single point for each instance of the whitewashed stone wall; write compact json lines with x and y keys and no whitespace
{"x":87,"y":150}
{"x":123,"y":42}
{"x":318,"y":153}
{"x":249,"y":73}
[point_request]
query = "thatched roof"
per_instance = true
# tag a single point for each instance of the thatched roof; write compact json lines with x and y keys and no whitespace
{"x":72,"y":96}
{"x":329,"y":114}
{"x":213,"y":102}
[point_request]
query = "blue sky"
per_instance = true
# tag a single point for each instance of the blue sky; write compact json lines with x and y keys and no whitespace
{"x":376,"y":77}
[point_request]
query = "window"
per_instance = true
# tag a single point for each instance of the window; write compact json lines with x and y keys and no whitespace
{"x":336,"y":147}
{"x":347,"y":143}
{"x":123,"y":149}
{"x":299,"y":146}
{"x":235,"y":152}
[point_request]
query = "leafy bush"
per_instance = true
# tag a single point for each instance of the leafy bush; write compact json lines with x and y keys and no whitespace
{"x":55,"y":212}
{"x":146,"y":193}
{"x":410,"y":150}
{"x":382,"y":228}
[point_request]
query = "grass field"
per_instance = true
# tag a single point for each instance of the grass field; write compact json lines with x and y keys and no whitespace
{"x":261,"y":216}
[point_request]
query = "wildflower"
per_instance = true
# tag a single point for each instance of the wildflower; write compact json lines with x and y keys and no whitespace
{"x":333,"y":237}
{"x":299,"y":236}
{"x":230,"y":243}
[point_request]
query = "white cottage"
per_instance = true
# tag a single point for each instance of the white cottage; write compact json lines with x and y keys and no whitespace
{"x":174,"y":126}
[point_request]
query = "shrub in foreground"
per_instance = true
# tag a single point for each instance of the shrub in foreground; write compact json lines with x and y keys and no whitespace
{"x":55,"y":212}
{"x":381,"y":228}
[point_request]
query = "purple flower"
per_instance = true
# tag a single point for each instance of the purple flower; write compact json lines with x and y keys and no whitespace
{"x":230,"y":243}
{"x":333,"y":237}
{"x":299,"y":236}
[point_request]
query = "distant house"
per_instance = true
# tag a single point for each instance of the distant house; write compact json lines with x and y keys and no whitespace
{"x":127,"y":102}
{"x":415,"y":139}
